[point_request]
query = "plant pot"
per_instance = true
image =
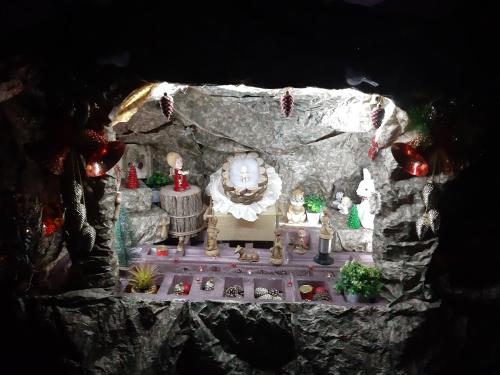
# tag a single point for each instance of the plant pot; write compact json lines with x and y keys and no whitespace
{"x":313,"y":217}
{"x":353,"y":298}
{"x":152,"y":290}
{"x":156,"y":196}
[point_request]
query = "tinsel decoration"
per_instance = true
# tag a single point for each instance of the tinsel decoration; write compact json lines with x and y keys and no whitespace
{"x":167,"y":105}
{"x":123,"y":237}
{"x":377,"y":116}
{"x":373,"y":150}
{"x":427,"y":193}
{"x":286,"y":103}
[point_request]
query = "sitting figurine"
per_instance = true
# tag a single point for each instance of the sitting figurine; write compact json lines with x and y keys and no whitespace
{"x":174,"y":160}
{"x":300,"y":246}
{"x":338,"y":200}
{"x":296,"y":212}
{"x":246,"y":256}
{"x":345,"y":205}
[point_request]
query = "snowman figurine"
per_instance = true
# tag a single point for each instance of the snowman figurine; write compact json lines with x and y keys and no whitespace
{"x":370,"y":200}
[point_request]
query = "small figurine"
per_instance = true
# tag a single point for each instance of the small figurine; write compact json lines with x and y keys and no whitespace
{"x":300,"y":246}
{"x":338,"y":200}
{"x":326,"y":230}
{"x":296,"y":212}
{"x":370,"y":200}
{"x":246,"y":257}
{"x":244,"y":175}
{"x":211,"y":248}
{"x":345,"y":205}
{"x":276,"y":258}
{"x":181,"y":245}
{"x":174,"y":160}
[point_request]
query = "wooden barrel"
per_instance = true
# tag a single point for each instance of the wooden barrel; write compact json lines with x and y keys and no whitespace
{"x":185,"y":209}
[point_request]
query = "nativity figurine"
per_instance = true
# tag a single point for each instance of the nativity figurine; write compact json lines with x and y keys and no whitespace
{"x":276,"y":257}
{"x":174,"y":160}
{"x":326,"y":231}
{"x":296,"y":212}
{"x":211,"y":248}
{"x":300,"y":245}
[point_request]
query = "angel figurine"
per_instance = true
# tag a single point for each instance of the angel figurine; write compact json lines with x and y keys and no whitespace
{"x":174,"y":160}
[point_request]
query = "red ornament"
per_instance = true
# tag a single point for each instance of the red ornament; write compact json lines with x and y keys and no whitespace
{"x":319,"y":289}
{"x":373,"y":150}
{"x":286,"y":103}
{"x":51,"y":225}
{"x":409,"y":159}
{"x":186,"y":288}
{"x":132,"y":182}
{"x":162,"y":252}
{"x":167,"y":105}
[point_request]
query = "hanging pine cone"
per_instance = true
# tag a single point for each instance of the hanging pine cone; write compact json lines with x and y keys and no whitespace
{"x":286,"y":102}
{"x":427,"y":194}
{"x":377,"y":116}
{"x":167,"y":105}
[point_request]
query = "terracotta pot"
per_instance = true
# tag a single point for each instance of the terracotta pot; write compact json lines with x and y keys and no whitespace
{"x":152,"y":290}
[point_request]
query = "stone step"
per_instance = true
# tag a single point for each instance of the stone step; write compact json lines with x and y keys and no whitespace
{"x":136,"y":200}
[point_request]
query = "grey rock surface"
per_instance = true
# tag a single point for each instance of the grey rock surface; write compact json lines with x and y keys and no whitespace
{"x":350,"y":239}
{"x":136,"y":200}
{"x":109,"y":334}
{"x":146,"y":226}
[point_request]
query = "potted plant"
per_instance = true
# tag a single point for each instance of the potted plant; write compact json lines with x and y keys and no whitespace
{"x":358,"y":283}
{"x":313,"y":204}
{"x":143,"y":279}
{"x":155,"y":182}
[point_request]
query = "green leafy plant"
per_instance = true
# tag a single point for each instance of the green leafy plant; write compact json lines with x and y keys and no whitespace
{"x":356,"y":278}
{"x":157,"y":180}
{"x":143,"y":276}
{"x":314,"y":203}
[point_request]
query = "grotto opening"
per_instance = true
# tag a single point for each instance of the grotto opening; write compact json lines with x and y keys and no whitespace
{"x":285,"y":223}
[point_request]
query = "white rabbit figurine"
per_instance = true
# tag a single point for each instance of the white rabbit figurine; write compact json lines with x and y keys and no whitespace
{"x":370,"y":200}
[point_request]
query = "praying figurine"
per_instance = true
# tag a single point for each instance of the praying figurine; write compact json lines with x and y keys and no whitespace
{"x":174,"y":160}
{"x":326,"y":230}
{"x":276,"y":257}
{"x":211,"y":248}
{"x":300,"y":246}
{"x":244,"y":175}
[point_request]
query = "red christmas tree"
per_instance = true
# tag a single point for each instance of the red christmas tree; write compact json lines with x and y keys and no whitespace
{"x":132,"y":182}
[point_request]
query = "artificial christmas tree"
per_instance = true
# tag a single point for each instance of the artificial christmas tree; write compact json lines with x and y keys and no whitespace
{"x":132,"y":182}
{"x":353,"y":221}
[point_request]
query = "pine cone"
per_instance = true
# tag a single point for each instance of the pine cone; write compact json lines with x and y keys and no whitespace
{"x":167,"y":105}
{"x":377,"y":116}
{"x":286,"y":102}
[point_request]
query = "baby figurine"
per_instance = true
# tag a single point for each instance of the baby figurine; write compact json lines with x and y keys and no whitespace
{"x":244,"y":175}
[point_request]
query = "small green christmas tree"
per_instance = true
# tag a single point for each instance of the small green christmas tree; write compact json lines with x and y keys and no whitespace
{"x":353,"y":219}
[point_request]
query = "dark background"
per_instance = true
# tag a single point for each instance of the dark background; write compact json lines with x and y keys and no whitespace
{"x":419,"y":51}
